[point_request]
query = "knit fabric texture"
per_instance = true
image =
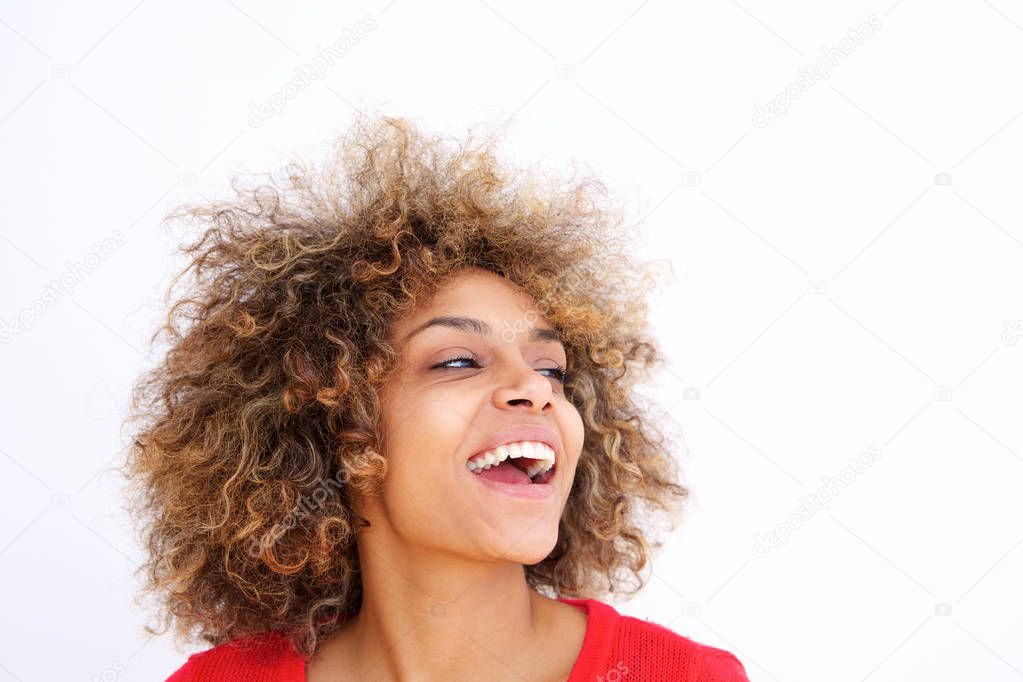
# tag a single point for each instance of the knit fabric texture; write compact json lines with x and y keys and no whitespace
{"x":616,"y":648}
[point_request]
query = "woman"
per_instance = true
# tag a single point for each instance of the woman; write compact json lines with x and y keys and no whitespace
{"x":394,"y":436}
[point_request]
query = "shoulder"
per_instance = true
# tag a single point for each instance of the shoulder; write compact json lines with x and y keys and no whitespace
{"x":265,"y":657}
{"x":648,"y":643}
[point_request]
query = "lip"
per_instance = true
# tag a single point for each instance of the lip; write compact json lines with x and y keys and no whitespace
{"x":532,"y":491}
{"x":520,"y":432}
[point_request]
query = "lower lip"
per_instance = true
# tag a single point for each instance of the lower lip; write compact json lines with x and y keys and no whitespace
{"x":522,"y":491}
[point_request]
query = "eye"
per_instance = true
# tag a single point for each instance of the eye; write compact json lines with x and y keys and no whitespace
{"x":560,"y":373}
{"x":461,"y":358}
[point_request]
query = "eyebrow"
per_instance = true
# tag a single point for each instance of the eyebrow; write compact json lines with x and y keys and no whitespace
{"x":473,"y":326}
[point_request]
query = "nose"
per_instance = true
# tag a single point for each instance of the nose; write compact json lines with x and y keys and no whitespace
{"x":523,"y":386}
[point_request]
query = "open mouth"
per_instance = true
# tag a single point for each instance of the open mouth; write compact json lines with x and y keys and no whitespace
{"x":519,"y":463}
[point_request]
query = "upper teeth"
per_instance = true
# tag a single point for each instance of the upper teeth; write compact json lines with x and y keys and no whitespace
{"x":541,"y":452}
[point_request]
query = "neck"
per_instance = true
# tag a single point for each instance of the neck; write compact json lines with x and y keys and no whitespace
{"x":429,"y":615}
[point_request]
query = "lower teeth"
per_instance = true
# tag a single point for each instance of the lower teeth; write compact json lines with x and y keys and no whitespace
{"x":534,"y":479}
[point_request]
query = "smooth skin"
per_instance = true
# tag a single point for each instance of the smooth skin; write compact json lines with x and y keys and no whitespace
{"x":443,"y":566}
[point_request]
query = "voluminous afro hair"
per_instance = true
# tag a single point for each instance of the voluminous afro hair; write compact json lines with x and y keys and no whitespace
{"x":252,"y":434}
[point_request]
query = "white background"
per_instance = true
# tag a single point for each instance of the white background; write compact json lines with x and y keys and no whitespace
{"x":848,"y":277}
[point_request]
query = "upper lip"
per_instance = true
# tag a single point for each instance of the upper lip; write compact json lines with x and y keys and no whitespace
{"x":513,"y":434}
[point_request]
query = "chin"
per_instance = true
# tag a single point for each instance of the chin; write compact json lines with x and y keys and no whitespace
{"x":530,"y":551}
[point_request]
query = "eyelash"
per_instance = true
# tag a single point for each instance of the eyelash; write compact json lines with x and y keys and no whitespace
{"x":562,"y":374}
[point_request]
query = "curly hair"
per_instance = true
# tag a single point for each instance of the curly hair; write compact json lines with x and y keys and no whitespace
{"x":261,"y":419}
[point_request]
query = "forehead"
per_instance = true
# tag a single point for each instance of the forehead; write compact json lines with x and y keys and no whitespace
{"x":480,"y":295}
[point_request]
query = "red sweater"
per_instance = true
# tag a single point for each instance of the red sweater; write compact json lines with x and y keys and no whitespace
{"x":616,"y":648}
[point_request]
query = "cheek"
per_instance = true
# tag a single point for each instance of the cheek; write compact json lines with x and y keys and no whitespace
{"x":424,"y":436}
{"x":575,"y":432}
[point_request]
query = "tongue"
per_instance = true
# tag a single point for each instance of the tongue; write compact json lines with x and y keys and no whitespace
{"x":506,"y":472}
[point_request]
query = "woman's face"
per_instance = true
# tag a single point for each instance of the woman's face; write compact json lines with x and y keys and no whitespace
{"x":439,"y":413}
